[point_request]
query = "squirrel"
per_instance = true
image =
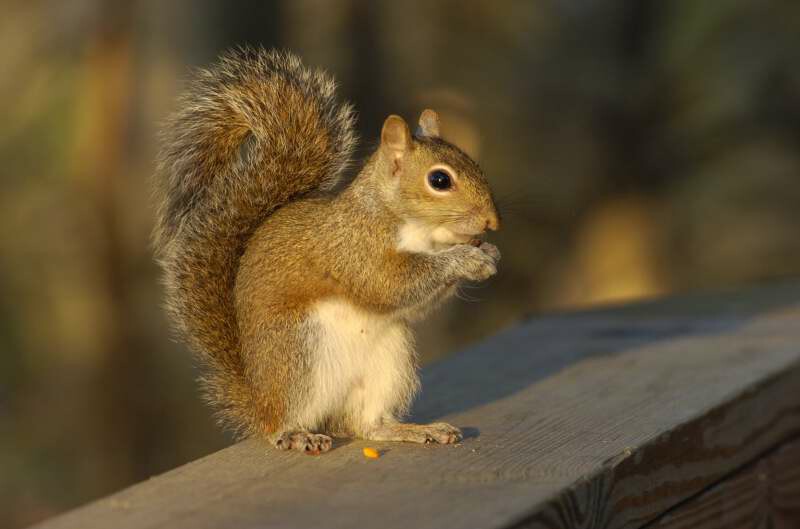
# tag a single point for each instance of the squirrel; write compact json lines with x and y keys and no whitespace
{"x":297,"y":292}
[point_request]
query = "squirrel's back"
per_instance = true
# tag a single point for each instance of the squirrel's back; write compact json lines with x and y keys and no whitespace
{"x":251,"y":133}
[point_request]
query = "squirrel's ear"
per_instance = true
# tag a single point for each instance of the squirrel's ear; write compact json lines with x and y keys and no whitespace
{"x":395,"y":136}
{"x":428,"y":124}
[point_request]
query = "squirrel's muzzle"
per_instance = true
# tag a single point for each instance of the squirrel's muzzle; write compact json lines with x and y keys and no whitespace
{"x":492,"y":221}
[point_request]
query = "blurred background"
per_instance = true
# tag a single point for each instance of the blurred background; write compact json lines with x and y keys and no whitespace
{"x":637,"y":148}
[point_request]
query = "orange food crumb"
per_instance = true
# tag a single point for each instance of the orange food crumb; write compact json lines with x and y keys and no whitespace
{"x":371,"y":453}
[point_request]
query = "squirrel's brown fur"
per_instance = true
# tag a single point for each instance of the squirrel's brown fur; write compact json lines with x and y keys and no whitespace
{"x":298,"y":298}
{"x":251,"y":134}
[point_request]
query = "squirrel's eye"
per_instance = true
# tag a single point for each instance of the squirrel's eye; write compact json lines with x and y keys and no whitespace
{"x":439,"y":180}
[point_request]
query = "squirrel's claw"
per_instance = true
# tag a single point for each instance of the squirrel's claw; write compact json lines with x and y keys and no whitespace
{"x":309,"y":443}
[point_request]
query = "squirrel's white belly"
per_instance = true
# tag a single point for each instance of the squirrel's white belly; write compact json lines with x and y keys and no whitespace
{"x":364,"y":366}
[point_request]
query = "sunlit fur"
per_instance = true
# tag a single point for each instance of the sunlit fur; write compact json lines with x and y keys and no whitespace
{"x":298,"y":298}
{"x":464,"y":209}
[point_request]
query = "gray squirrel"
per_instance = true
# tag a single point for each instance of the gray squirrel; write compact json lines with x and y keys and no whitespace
{"x":297,"y":296}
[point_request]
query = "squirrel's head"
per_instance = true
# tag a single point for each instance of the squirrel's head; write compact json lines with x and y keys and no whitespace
{"x":433,"y":185}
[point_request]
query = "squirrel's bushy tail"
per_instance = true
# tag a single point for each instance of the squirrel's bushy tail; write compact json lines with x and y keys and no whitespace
{"x":251,"y":133}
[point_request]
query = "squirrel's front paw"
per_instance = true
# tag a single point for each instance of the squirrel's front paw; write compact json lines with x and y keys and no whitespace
{"x":306,"y":442}
{"x":490,"y":250}
{"x":476,"y":263}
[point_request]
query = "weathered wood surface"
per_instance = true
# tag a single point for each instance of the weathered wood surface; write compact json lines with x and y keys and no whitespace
{"x":601,"y":419}
{"x":763,"y":495}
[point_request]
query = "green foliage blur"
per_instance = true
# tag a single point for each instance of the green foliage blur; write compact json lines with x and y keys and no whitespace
{"x":637,"y":148}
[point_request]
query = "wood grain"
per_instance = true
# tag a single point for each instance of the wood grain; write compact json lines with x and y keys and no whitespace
{"x":764,"y":494}
{"x":604,"y":419}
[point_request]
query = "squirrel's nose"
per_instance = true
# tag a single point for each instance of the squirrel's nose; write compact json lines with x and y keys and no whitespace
{"x":492,"y":222}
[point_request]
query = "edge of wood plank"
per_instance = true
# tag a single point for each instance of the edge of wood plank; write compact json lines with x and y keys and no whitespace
{"x":633,"y":487}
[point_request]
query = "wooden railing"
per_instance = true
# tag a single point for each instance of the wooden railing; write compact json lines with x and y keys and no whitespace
{"x":682,"y":412}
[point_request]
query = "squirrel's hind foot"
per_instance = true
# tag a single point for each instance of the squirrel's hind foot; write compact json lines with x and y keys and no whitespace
{"x":438,"y":432}
{"x":306,"y":442}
